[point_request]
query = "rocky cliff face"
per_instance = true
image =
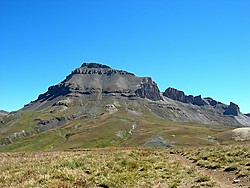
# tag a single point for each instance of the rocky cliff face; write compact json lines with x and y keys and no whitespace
{"x":180,"y":96}
{"x":148,"y":89}
{"x":233,"y":109}
{"x":175,"y":94}
{"x":94,"y":78}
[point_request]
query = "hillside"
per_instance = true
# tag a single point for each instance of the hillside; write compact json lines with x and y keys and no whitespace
{"x":97,"y":106}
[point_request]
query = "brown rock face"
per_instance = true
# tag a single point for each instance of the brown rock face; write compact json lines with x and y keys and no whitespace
{"x":233,"y":109}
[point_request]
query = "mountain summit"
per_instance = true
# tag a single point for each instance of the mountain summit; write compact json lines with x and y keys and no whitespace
{"x":98,"y":106}
{"x":95,"y":83}
{"x":98,"y":79}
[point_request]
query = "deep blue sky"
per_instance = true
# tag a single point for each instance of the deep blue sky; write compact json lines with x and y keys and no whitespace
{"x":200,"y":47}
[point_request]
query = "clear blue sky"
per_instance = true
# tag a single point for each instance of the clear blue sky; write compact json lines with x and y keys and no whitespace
{"x":200,"y":47}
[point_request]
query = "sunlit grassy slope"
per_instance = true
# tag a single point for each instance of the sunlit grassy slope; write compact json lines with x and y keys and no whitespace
{"x":122,"y":129}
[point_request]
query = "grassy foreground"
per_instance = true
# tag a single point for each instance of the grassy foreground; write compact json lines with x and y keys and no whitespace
{"x":97,"y":168}
{"x":128,"y":167}
{"x":233,"y":161}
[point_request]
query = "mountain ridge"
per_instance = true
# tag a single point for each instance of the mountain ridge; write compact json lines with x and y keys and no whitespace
{"x":97,"y":81}
{"x":97,"y":106}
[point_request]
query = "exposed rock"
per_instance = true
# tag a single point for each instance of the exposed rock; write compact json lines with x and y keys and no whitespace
{"x":211,"y":101}
{"x":44,"y":125}
{"x":233,"y":109}
{"x":14,"y":137}
{"x":243,"y":119}
{"x":62,"y":103}
{"x":132,"y":131}
{"x":199,"y":101}
{"x":94,"y":65}
{"x":98,"y":69}
{"x":175,"y":94}
{"x":157,"y":142}
{"x":97,"y":79}
{"x":121,"y":134}
{"x":54,"y":91}
{"x":92,"y":89}
{"x":189,"y":99}
{"x":180,"y":96}
{"x":241,"y":134}
{"x":236,"y":181}
{"x":216,"y":104}
{"x":149,"y":89}
{"x":111,"y":108}
{"x":248,"y":114}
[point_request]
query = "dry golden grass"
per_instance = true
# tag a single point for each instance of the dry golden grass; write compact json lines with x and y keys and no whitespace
{"x":232,"y":161}
{"x":97,"y":168}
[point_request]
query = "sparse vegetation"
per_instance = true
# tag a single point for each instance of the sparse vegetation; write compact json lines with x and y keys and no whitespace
{"x":97,"y":168}
{"x":230,"y":160}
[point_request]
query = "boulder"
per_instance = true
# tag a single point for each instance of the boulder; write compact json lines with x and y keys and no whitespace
{"x":157,"y":142}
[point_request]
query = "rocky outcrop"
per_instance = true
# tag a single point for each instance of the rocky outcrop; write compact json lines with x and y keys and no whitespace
{"x":65,"y":103}
{"x":14,"y":137}
{"x":95,"y":65}
{"x":198,"y":101}
{"x":177,"y":95}
{"x":248,"y":114}
{"x":211,"y":101}
{"x":149,"y":89}
{"x":98,"y":69}
{"x":111,"y":108}
{"x":44,"y":125}
{"x":233,"y":110}
{"x":157,"y":142}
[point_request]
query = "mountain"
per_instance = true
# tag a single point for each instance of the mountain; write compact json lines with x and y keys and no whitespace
{"x":97,"y":106}
{"x":3,"y":113}
{"x":93,"y":79}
